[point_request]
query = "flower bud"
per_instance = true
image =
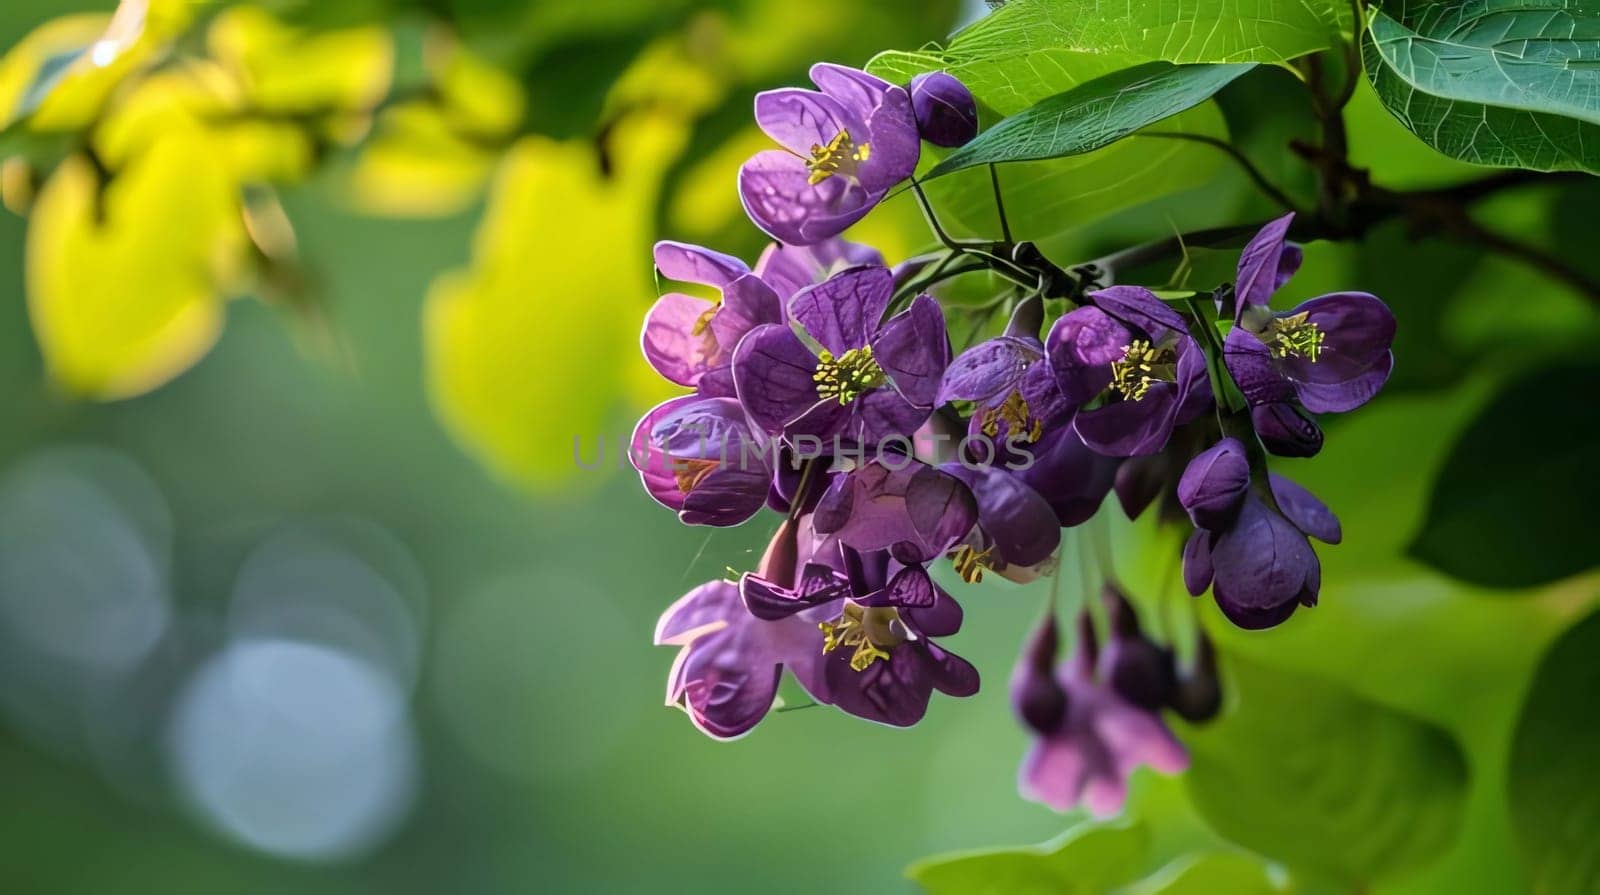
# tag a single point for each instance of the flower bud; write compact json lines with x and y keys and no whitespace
{"x":1038,"y":699}
{"x":1214,"y":484}
{"x":1286,"y":431}
{"x":1198,"y":694}
{"x":947,"y":115}
{"x":1136,"y":669}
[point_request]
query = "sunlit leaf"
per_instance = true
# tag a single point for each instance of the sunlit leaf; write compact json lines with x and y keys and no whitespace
{"x":1173,"y":31}
{"x":123,"y":283}
{"x":1089,"y":859}
{"x":529,"y":349}
{"x":1553,"y":783}
{"x":1093,"y":115}
{"x":1306,"y":772}
{"x":1211,"y":873}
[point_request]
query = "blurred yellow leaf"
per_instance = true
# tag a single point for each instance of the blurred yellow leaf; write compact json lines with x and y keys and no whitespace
{"x":200,"y":100}
{"x":123,"y":282}
{"x":432,"y":157}
{"x":285,"y":69}
{"x":532,"y":347}
{"x":60,"y":75}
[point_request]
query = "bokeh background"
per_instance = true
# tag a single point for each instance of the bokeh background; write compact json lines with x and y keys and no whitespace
{"x":302,"y":590}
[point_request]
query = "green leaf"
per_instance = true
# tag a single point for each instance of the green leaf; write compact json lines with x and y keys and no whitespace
{"x":1045,"y":198}
{"x":1172,"y":31}
{"x":1088,"y":859}
{"x":1308,"y":773}
{"x":1510,"y":512}
{"x":1500,"y":83}
{"x":1093,"y":115}
{"x":1207,"y":874}
{"x":1553,"y":781}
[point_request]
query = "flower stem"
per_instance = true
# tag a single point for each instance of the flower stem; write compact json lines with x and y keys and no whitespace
{"x":999,"y":202}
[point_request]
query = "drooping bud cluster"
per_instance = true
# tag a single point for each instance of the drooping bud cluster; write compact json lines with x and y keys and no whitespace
{"x":824,"y":387}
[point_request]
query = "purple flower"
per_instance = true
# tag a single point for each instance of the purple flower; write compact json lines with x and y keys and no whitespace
{"x":729,"y":662}
{"x":1252,"y":548}
{"x":699,"y":458}
{"x":1088,"y":741}
{"x":690,"y":340}
{"x":947,"y":115}
{"x":1330,"y":353}
{"x":1017,"y":532}
{"x":1131,"y":356}
{"x":912,"y":510}
{"x":843,"y":149}
{"x":871,"y":618}
{"x":1011,"y":386}
{"x":865,"y":380}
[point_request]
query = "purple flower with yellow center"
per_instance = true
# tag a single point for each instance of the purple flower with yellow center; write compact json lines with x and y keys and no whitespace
{"x":1250,"y":544}
{"x":844,"y":148}
{"x":1330,"y":353}
{"x":700,"y":458}
{"x":1088,"y":739}
{"x":870,"y":617}
{"x":845,"y":372}
{"x":690,"y":340}
{"x":1016,"y":535}
{"x":1129,"y":360}
{"x":1009,"y":382}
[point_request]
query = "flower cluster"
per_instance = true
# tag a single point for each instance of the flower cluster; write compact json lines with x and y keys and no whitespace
{"x":825,"y":389}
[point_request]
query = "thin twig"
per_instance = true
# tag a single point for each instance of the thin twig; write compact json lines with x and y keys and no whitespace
{"x":1266,"y":186}
{"x":999,"y":203}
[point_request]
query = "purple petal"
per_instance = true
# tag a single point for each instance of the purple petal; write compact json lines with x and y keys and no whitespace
{"x":688,"y":263}
{"x":947,"y":113}
{"x":1285,"y":430}
{"x":1251,"y":365}
{"x":774,"y":188}
{"x":1197,"y":568}
{"x":851,"y":88}
{"x":788,"y":269}
{"x":1131,"y":428}
{"x":800,"y":119}
{"x":1308,"y":514}
{"x":1214,"y":483}
{"x":1081,"y":347}
{"x":773,"y":373}
{"x":843,"y":312}
{"x":882,"y":415}
{"x":1343,"y":396}
{"x":704,"y":609}
{"x":914,"y":350}
{"x":1073,"y":479}
{"x":669,"y":342}
{"x":1138,"y":308}
{"x":988,"y":371}
{"x":655,"y":467}
{"x":896,"y":145}
{"x":1053,"y":773}
{"x":1260,"y":562}
{"x":918,"y":511}
{"x":1357,"y":330}
{"x":1265,"y":264}
{"x":747,"y":302}
{"x":1019,"y":522}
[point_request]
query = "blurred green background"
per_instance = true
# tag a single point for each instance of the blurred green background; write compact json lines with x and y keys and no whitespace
{"x":332,"y":610}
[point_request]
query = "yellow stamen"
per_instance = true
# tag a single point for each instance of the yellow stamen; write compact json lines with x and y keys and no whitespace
{"x":871,"y":631}
{"x":703,"y":322}
{"x":1294,"y":336}
{"x":1017,"y":416}
{"x":847,"y":376}
{"x":970,"y":563}
{"x":690,"y":473}
{"x":1141,"y":365}
{"x":840,"y":156}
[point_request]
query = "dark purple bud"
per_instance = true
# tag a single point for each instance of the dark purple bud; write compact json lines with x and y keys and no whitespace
{"x":946,"y":113}
{"x":1198,"y":693}
{"x":1139,"y":482}
{"x":1214,"y":484}
{"x":1286,"y":431}
{"x":1036,"y":696}
{"x":1136,"y":669}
